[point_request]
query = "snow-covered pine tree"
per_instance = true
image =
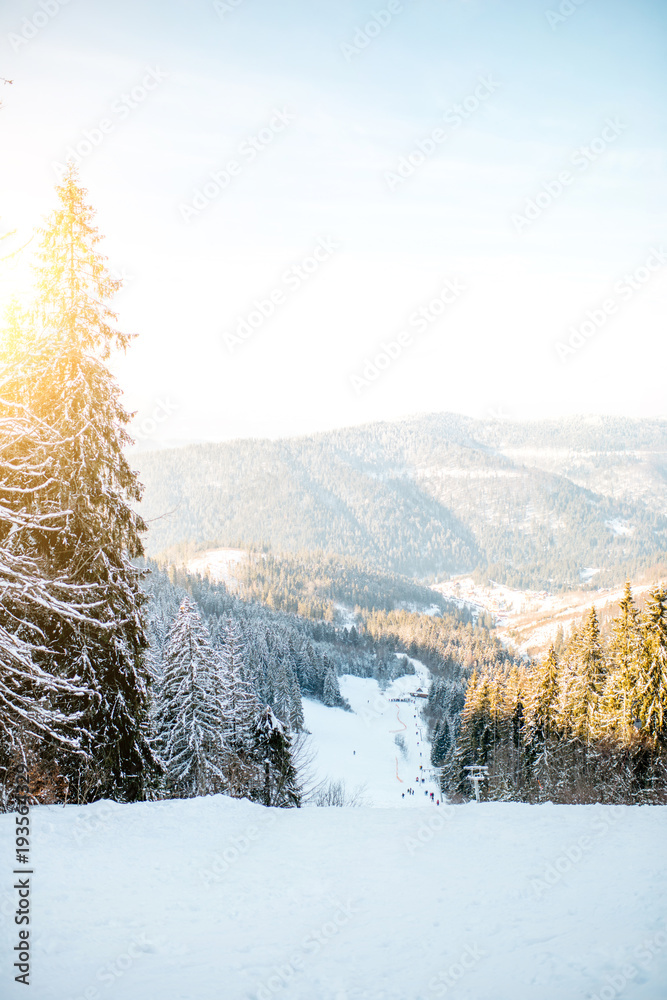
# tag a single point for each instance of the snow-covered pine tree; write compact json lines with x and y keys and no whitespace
{"x":296,"y":719}
{"x":512,"y":694}
{"x":305,"y":659}
{"x":30,"y":719}
{"x":587,"y":681}
{"x":277,"y":783}
{"x":652,"y":680}
{"x":567,"y":669}
{"x":331,"y":690}
{"x":474,"y":738}
{"x":542,"y":700}
{"x":242,"y":711}
{"x":281,"y":686}
{"x":258,"y":662}
{"x":66,"y":383}
{"x":541,"y":734}
{"x":191,"y":709}
{"x":441,"y":741}
{"x":618,"y":703}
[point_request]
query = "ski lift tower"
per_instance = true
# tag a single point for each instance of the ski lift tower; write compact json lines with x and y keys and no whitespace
{"x":477,"y":773}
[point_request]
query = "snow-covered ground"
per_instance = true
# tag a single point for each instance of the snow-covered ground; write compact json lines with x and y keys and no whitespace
{"x":346,"y":617}
{"x":620,"y":527}
{"x":587,"y":573}
{"x":359,"y":748}
{"x":217,"y":564}
{"x":503,"y":602}
{"x":215,"y":899}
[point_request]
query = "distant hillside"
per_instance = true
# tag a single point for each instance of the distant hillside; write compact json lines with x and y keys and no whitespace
{"x":312,"y":584}
{"x":530,"y":505}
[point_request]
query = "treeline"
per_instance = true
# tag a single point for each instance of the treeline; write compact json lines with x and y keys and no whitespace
{"x":284,"y":656}
{"x":586,"y":725}
{"x":282,"y":648}
{"x":312,"y":583}
{"x":212,"y":733}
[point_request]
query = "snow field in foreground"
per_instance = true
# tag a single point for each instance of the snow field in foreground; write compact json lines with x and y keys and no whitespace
{"x":217,"y":899}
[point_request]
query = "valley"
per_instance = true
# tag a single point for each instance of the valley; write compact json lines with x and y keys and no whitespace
{"x":530,"y":621}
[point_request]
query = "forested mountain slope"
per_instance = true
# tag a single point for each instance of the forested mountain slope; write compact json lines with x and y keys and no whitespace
{"x":313,"y":584}
{"x":531,"y":505}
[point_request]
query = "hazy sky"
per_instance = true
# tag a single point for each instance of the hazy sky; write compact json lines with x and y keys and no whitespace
{"x":309,"y":112}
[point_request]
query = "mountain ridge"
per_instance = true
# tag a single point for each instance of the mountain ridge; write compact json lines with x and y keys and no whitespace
{"x":531,"y":504}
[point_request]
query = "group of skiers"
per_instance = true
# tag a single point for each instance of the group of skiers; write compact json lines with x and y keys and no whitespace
{"x":411,"y":791}
{"x":418,"y":780}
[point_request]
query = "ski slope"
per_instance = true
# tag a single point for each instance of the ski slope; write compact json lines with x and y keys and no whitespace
{"x":217,"y":899}
{"x":359,"y":748}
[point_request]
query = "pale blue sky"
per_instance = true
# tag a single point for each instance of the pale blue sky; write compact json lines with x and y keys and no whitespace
{"x":325,"y":175}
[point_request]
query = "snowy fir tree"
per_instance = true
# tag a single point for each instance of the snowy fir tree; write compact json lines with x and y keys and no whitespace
{"x":296,"y":706}
{"x":212,"y":731}
{"x":441,"y":741}
{"x":243,"y":710}
{"x":331,"y":690}
{"x":587,"y":680}
{"x":652,"y":673}
{"x":620,"y":694}
{"x":32,"y":692}
{"x":541,"y":709}
{"x":278,"y":783}
{"x":62,"y":378}
{"x":191,"y":709}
